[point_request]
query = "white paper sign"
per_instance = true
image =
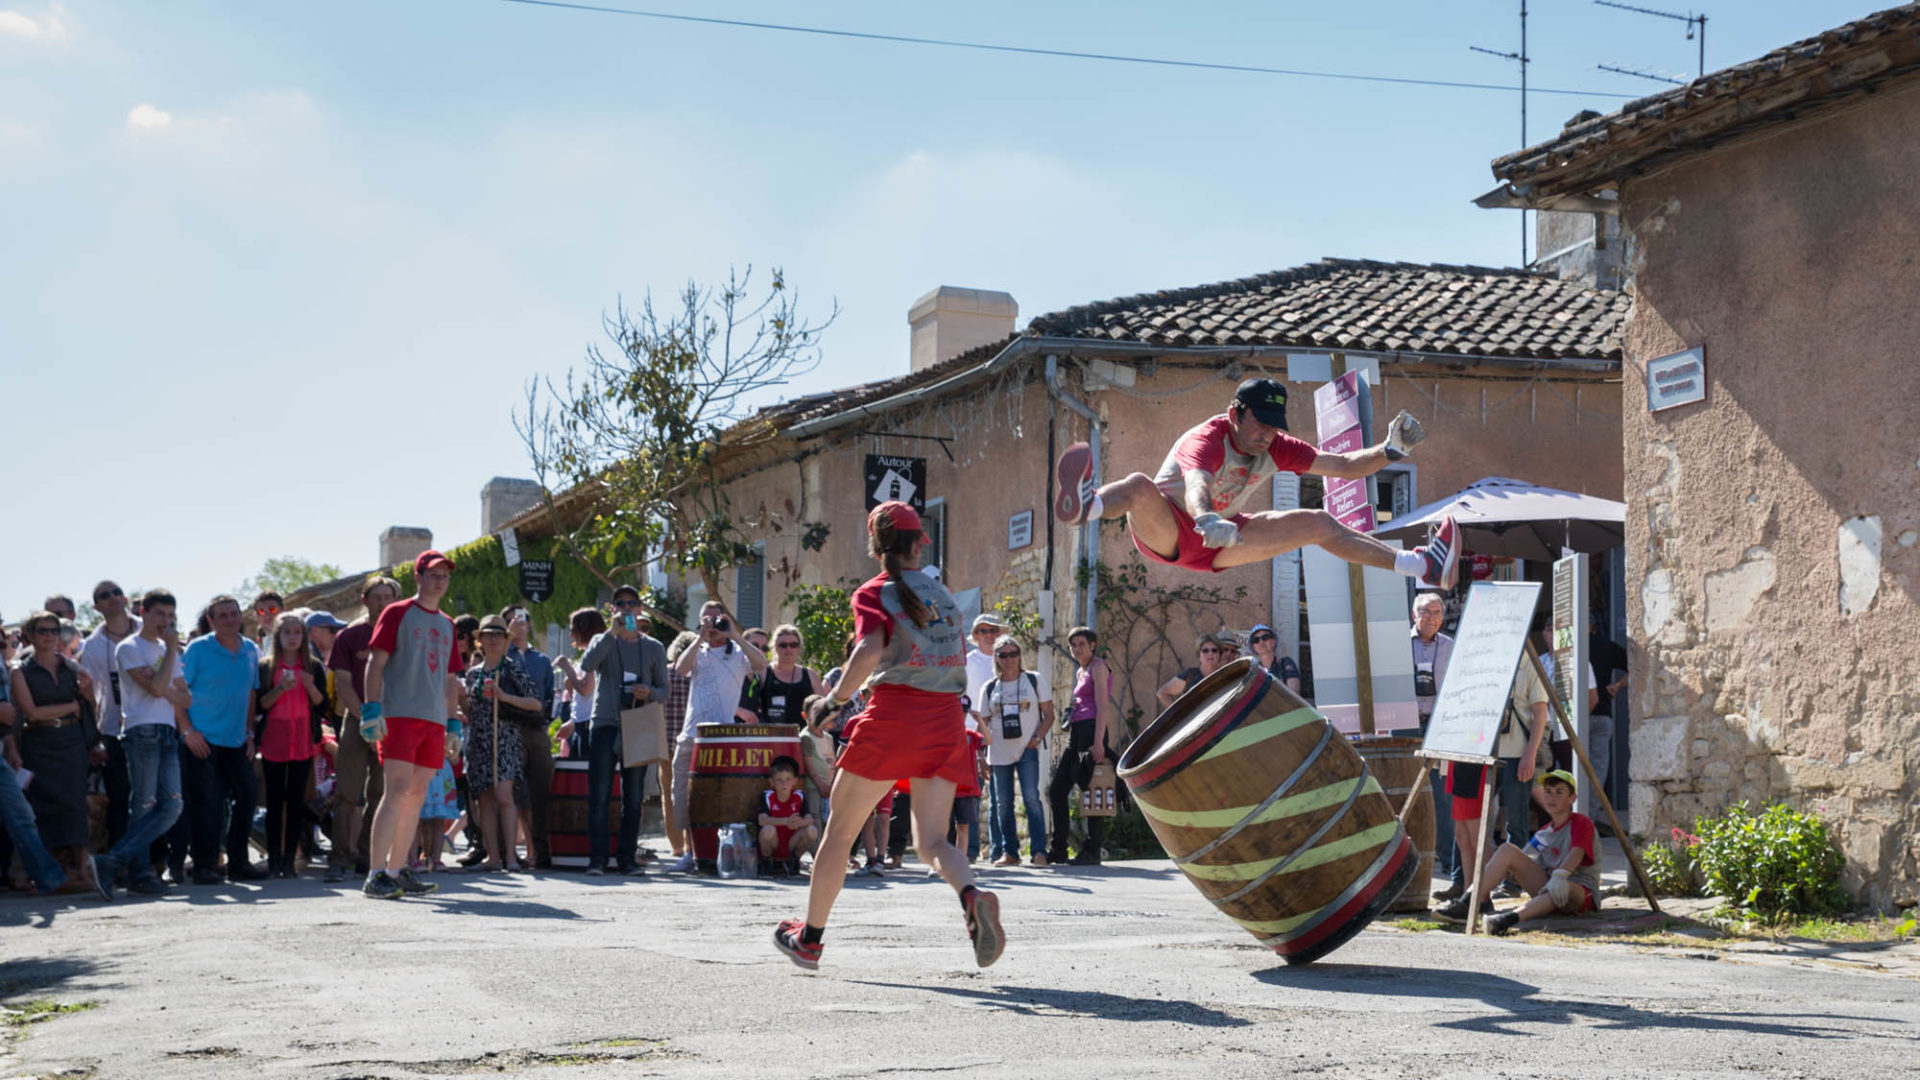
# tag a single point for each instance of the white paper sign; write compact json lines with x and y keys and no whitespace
{"x":510,"y":546}
{"x":1336,"y":680}
{"x":1486,"y":654}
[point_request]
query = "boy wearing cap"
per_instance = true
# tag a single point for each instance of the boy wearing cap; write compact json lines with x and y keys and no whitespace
{"x":1185,"y":515}
{"x":412,"y":682}
{"x":1559,"y":869}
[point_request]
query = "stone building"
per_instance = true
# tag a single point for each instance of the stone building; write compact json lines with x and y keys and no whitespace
{"x":1773,"y":498}
{"x":1513,"y":372}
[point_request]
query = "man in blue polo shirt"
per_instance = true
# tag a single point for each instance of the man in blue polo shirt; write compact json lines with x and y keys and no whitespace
{"x":221,"y":669}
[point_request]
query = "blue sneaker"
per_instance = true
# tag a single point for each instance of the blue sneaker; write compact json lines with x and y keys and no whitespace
{"x":103,"y":871}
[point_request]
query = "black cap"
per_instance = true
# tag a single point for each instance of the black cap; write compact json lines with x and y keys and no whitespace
{"x":1266,"y":399}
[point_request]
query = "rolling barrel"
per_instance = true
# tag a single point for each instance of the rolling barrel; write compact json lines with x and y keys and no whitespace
{"x":1272,"y":816}
{"x":731,"y":763}
{"x":1395,"y":762}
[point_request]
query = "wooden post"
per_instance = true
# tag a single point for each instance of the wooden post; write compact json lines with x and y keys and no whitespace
{"x":1580,"y":751}
{"x":1357,"y":602}
{"x":1480,"y":853}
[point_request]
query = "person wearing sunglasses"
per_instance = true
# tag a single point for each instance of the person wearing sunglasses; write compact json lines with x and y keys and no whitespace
{"x":629,"y":669}
{"x":53,"y":739}
{"x":1265,"y":646}
{"x":1017,"y":716}
{"x":535,"y":748}
{"x":1215,"y":650}
{"x":96,"y":659}
{"x":266,"y":612}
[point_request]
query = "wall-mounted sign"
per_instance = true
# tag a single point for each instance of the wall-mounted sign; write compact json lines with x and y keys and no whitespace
{"x":1679,"y":379}
{"x":1020,"y":530}
{"x":510,"y":546}
{"x":1343,"y":413}
{"x":902,"y":478}
{"x":536,"y":580}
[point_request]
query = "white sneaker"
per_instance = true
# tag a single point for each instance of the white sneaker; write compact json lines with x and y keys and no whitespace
{"x":681,"y":865}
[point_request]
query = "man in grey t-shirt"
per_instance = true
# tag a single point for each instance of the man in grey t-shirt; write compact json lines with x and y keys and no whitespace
{"x":629,"y":669}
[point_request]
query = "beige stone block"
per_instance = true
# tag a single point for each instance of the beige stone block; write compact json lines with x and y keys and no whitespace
{"x":1643,"y":801}
{"x":1859,"y":549}
{"x":1731,"y":593}
{"x":1657,"y":748}
{"x":1812,"y":774}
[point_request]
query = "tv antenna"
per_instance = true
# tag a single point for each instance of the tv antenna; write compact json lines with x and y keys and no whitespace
{"x":1694,"y":23}
{"x":1522,"y":59}
{"x":1642,"y":74}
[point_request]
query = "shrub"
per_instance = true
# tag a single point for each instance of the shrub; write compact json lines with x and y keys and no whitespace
{"x":1670,"y":866}
{"x":1779,"y":864}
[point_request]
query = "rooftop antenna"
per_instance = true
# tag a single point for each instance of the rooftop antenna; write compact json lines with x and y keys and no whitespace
{"x":1521,"y":58}
{"x":1693,"y":21}
{"x":1642,"y":74}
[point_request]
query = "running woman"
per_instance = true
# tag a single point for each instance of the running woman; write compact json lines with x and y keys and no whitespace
{"x":910,"y":653}
{"x":1185,"y":515}
{"x":413,"y":677}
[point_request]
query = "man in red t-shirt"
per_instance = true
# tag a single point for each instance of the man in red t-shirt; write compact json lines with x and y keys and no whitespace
{"x":412,"y":689}
{"x":1186,"y":515}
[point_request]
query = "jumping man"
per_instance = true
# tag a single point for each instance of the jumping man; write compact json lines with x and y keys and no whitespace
{"x":1186,"y":514}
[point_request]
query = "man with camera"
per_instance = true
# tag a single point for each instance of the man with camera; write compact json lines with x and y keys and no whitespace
{"x":629,"y":669}
{"x":717,"y":669}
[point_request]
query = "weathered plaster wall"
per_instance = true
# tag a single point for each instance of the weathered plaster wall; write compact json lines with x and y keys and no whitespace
{"x":1773,"y":527}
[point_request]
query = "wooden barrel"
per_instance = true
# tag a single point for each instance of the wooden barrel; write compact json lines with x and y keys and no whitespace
{"x":567,"y":812}
{"x":1272,"y":815}
{"x":1394,"y":761}
{"x":731,"y":763}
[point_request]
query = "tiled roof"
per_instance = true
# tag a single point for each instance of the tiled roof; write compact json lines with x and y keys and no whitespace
{"x":1787,"y":84}
{"x":1363,"y":305}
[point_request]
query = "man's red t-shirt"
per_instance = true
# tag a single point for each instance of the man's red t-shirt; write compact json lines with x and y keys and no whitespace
{"x":1208,"y":447}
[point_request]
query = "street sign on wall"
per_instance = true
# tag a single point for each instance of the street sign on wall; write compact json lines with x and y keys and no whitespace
{"x":1677,"y":379}
{"x":536,"y":580}
{"x":1343,"y":414}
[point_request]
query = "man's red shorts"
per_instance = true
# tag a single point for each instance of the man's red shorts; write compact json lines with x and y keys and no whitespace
{"x":908,"y":734}
{"x":1191,"y":554}
{"x":417,"y":742}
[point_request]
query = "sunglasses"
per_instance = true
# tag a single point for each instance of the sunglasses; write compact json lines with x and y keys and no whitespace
{"x":1204,"y":652}
{"x":492,"y":631}
{"x":107,"y":594}
{"x":786,"y":644}
{"x":1007,"y":655}
{"x":46,"y":629}
{"x":1259,"y":639}
{"x":626,"y":604}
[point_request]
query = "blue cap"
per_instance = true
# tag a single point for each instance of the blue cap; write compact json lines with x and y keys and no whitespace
{"x":1257,"y":627}
{"x":324,"y":620}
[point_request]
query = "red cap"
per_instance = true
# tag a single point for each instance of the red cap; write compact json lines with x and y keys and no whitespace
{"x":899,"y":515}
{"x":428,"y":558}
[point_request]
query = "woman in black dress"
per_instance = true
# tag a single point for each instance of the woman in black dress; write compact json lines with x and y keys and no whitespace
{"x":56,"y":735}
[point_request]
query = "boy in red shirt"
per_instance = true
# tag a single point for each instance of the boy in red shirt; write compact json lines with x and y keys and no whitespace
{"x":787,"y":831}
{"x":1559,"y":869}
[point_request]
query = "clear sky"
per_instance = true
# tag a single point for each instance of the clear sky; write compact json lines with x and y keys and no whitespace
{"x":273,"y":276}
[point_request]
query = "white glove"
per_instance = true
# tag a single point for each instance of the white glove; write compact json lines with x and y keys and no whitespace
{"x":1216,"y":531}
{"x":1403,"y":435}
{"x":1560,"y":887}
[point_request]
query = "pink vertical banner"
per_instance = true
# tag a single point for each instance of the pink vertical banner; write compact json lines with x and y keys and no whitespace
{"x":1337,"y":408}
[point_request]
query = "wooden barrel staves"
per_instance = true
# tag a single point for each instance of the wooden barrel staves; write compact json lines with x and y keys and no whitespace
{"x":731,"y":763}
{"x":1270,"y":813}
{"x":1395,"y":762}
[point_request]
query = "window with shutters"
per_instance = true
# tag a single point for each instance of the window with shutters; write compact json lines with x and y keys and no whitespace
{"x":749,"y":589}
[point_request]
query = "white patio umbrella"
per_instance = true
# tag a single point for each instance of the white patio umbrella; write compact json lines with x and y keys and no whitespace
{"x":1503,"y":516}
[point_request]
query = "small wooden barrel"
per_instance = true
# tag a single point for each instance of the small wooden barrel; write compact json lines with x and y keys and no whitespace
{"x":1270,"y":813}
{"x":567,"y":812}
{"x":731,"y":763}
{"x":1394,"y":761}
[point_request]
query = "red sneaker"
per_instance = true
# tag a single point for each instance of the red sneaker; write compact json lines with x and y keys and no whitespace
{"x":1442,"y":553}
{"x":983,"y":926}
{"x":787,"y":937}
{"x":1075,"y":473}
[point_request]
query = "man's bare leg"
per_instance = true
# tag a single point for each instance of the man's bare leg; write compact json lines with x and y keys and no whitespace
{"x":1276,"y":532}
{"x":1139,"y":500}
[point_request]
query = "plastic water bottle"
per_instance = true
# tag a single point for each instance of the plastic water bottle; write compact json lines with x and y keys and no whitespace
{"x":738,"y":855}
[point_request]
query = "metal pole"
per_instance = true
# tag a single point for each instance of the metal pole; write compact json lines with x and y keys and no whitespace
{"x":1523,"y":121}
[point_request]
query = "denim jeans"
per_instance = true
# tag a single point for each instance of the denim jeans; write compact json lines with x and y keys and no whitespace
{"x":602,"y":758}
{"x":16,"y":814}
{"x":1006,"y":828}
{"x":1446,"y":853}
{"x":224,"y":777}
{"x":153,"y":794}
{"x":1516,"y":800}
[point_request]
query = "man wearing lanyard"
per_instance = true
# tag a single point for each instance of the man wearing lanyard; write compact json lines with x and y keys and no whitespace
{"x":1431,"y":651}
{"x":533,"y":740}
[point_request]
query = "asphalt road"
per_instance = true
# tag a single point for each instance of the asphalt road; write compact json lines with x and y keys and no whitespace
{"x":1118,"y":971}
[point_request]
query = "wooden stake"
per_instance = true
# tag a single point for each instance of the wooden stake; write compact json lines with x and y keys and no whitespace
{"x":1481,"y":855}
{"x":1580,"y":751}
{"x":1362,"y":656}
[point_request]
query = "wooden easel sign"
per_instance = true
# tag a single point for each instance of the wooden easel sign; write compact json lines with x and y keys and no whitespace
{"x":1468,"y":714}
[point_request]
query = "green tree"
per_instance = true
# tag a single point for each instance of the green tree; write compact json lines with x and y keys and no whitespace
{"x":636,"y":427}
{"x":285,"y":575}
{"x":824,"y":614}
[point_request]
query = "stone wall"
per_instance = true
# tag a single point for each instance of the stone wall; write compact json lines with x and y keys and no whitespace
{"x":1772,"y":527}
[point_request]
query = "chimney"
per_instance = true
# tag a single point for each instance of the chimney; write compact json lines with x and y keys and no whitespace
{"x":400,"y":543}
{"x":503,"y":499}
{"x":950,"y":320}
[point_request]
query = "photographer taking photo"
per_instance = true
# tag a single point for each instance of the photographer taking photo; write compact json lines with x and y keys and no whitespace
{"x":718,"y":668}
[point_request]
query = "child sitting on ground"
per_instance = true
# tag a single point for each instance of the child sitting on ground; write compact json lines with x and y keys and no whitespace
{"x":787,"y":831}
{"x":1560,"y":868}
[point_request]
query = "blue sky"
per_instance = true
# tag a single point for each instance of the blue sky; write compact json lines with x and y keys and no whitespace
{"x":272,"y":276}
